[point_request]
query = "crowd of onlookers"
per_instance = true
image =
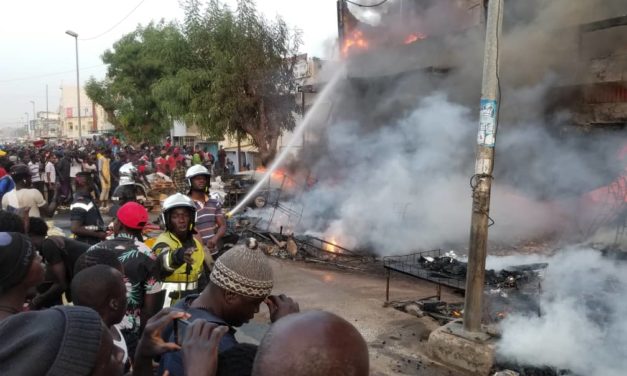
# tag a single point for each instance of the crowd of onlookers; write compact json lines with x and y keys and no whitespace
{"x":110,"y":300}
{"x":54,"y":167}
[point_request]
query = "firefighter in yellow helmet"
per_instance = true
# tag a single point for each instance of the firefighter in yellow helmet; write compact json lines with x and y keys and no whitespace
{"x":180,"y":255}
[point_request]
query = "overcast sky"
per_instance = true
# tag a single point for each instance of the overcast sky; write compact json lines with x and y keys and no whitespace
{"x":36,"y":51}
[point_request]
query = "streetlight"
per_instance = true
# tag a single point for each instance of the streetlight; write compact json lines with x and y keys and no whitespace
{"x":34,"y":118}
{"x":27,"y":123}
{"x":78,"y":88}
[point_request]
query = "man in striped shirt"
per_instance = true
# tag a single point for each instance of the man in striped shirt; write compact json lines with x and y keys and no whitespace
{"x":210,"y":221}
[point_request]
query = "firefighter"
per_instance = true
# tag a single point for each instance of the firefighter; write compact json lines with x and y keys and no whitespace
{"x":180,"y":255}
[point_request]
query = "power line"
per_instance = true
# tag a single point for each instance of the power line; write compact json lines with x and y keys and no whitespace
{"x":49,"y":74}
{"x":116,"y":24}
{"x":367,"y":6}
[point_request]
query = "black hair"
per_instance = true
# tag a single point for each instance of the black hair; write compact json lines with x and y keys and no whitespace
{"x":96,"y":256}
{"x":92,"y":287}
{"x":37,"y":227}
{"x":11,"y":222}
{"x":237,"y":361}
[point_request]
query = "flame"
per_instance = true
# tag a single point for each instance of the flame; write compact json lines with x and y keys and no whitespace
{"x":456,"y":314}
{"x":411,"y":38}
{"x":355,"y":41}
{"x":278,"y":175}
{"x":332,"y":247}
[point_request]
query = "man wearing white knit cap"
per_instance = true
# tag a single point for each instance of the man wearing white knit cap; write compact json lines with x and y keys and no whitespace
{"x":240,"y":281}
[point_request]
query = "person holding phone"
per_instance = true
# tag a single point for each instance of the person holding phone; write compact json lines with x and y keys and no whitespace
{"x":240,"y":282}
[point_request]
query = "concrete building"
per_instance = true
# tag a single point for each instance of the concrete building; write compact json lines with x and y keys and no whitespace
{"x":307,"y":76}
{"x":182,"y":134}
{"x":92,"y":116}
{"x":47,"y":125}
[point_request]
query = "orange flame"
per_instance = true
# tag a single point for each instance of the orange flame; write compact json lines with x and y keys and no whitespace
{"x":331,"y":246}
{"x":277,"y":175}
{"x":355,"y":41}
{"x":411,"y":38}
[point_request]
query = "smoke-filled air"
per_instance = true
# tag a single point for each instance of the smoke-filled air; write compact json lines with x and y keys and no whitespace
{"x":582,"y":327}
{"x":392,"y":155}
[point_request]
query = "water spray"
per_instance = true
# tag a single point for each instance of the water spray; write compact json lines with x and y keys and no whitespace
{"x":298,"y":131}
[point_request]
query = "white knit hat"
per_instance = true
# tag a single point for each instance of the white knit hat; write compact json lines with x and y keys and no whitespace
{"x":244,"y":270}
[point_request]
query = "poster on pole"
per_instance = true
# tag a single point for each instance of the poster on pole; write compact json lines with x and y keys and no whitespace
{"x":487,"y":123}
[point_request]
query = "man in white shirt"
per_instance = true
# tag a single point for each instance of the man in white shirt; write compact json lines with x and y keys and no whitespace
{"x":50,"y":177}
{"x":34,"y":166}
{"x":26,"y":197}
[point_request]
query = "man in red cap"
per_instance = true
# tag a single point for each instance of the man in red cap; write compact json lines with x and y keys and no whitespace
{"x":140,"y":270}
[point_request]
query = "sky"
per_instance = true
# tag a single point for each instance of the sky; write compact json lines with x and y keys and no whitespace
{"x":36,"y":51}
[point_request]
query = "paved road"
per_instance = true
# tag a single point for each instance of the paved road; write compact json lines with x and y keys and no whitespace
{"x":397,"y":341}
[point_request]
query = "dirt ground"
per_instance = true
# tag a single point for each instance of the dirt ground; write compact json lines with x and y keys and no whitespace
{"x":396,"y":339}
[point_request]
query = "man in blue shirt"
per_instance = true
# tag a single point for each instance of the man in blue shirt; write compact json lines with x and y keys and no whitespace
{"x":240,"y":281}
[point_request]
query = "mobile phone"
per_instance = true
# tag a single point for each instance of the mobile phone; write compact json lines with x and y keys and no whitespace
{"x":180,"y":328}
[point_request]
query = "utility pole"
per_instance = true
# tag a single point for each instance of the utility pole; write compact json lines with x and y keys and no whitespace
{"x":78,"y":88}
{"x":47,"y":127}
{"x":34,"y":120}
{"x":27,"y":124}
{"x":484,"y":165}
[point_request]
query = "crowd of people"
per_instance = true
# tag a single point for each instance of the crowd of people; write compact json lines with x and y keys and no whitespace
{"x":110,"y":300}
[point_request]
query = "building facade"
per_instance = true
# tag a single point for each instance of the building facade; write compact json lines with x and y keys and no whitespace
{"x":93,"y":118}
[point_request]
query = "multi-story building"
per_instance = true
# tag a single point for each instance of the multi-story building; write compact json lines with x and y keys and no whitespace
{"x":47,"y":125}
{"x":93,"y":118}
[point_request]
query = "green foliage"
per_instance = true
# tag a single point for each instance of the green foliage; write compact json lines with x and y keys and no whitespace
{"x":136,"y":64}
{"x":230,"y":72}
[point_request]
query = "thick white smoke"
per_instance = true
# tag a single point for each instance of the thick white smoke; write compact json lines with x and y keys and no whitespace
{"x":582,"y":327}
{"x":394,"y":163}
{"x":406,"y":185}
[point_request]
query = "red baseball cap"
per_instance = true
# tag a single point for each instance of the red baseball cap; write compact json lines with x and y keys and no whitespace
{"x":133,"y":215}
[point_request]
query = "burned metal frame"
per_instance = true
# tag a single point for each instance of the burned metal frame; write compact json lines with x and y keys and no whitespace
{"x":409,"y":265}
{"x":345,"y":258}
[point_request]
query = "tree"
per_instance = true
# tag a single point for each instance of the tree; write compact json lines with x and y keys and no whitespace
{"x":136,"y":64}
{"x":239,"y":80}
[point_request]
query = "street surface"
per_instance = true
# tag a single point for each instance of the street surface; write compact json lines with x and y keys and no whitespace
{"x":396,"y":339}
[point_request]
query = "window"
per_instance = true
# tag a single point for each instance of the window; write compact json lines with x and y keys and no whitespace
{"x":70,"y":125}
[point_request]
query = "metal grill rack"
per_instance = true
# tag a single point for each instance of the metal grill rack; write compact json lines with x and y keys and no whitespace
{"x":410,"y":265}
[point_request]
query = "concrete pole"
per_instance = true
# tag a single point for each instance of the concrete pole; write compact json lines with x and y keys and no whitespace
{"x":34,"y":119}
{"x":302,"y":112}
{"x":47,"y":127}
{"x":27,"y":124}
{"x":78,"y":96}
{"x":78,"y":87}
{"x":482,"y":180}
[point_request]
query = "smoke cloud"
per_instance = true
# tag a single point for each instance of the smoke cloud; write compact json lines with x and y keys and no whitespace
{"x":394,"y":152}
{"x":582,"y":326}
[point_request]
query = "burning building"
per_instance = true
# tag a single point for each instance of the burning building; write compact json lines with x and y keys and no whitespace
{"x":402,"y":124}
{"x":392,"y":155}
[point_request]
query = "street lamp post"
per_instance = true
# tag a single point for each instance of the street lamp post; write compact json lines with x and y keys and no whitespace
{"x":27,"y":123}
{"x":78,"y":88}
{"x":34,"y":119}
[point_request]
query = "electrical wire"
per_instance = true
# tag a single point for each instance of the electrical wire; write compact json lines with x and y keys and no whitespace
{"x":116,"y":24}
{"x":367,"y":6}
{"x":50,"y":74}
